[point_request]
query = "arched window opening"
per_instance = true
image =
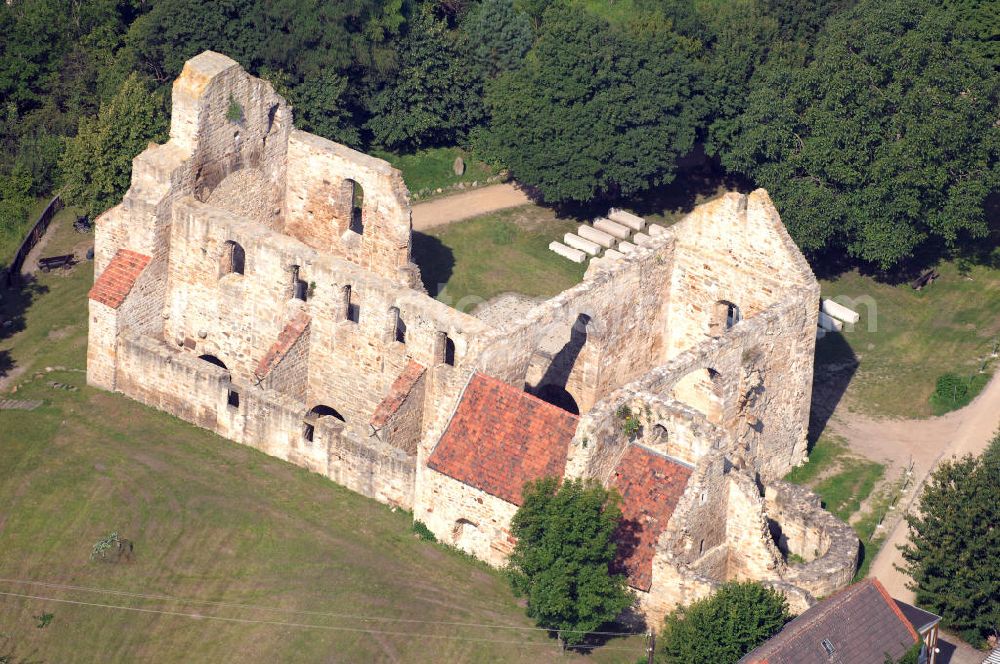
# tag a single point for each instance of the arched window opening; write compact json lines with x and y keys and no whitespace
{"x":725,"y":315}
{"x":398,"y":325}
{"x":466,"y":536}
{"x":445,"y":349}
{"x":701,"y":390}
{"x":354,"y":203}
{"x":659,"y":436}
{"x":233,"y":259}
{"x":212,"y":359}
{"x":320,"y":411}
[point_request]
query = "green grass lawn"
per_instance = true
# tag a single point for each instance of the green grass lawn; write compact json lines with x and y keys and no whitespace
{"x":426,"y":170}
{"x":468,"y":262}
{"x":906,"y":339}
{"x":212,"y":521}
{"x":843,"y":482}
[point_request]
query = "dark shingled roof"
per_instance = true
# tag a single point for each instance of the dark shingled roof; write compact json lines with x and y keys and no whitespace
{"x":501,"y":437}
{"x":917,"y":617}
{"x":650,"y":485}
{"x":861,"y":623}
{"x":115,"y":283}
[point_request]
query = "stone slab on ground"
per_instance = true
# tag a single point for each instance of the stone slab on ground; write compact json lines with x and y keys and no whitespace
{"x":594,"y":235}
{"x":17,"y":404}
{"x":626,"y":247}
{"x":612,"y":228}
{"x":583,"y":244}
{"x":641,"y":239}
{"x":612,"y":254}
{"x":655,"y":230}
{"x":574,"y":255}
{"x":633,"y":221}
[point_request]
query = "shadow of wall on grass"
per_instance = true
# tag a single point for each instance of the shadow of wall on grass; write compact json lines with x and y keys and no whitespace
{"x":834,"y":368}
{"x":435,"y":260}
{"x":14,"y":302}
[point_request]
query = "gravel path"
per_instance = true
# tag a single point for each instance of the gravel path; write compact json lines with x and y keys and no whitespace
{"x":466,"y":205}
{"x":926,"y":442}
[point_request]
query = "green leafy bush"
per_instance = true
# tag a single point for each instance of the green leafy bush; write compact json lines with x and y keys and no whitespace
{"x":952,"y":391}
{"x":422,"y":532}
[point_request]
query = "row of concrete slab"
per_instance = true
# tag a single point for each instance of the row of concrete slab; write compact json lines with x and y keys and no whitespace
{"x":609,"y":238}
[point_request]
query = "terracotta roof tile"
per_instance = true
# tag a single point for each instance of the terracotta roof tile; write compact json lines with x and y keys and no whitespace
{"x":397,"y":393}
{"x":286,"y":339}
{"x":861,"y":623}
{"x":115,"y":283}
{"x":651,"y":485}
{"x":501,"y":437}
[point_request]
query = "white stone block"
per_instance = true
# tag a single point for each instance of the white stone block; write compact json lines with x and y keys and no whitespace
{"x":626,"y":247}
{"x":831,"y":308}
{"x":633,"y":221}
{"x":614,"y":255}
{"x":612,"y":228}
{"x":655,"y":230}
{"x":641,"y":239}
{"x":574,"y":255}
{"x":582,"y":244}
{"x":594,"y":235}
{"x":829,"y":323}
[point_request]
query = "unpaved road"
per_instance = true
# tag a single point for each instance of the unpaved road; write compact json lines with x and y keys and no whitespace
{"x":926,"y":442}
{"x":467,"y":204}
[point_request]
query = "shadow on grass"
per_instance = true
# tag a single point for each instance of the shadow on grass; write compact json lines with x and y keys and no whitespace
{"x":435,"y":260}
{"x":836,"y":364}
{"x":14,"y":302}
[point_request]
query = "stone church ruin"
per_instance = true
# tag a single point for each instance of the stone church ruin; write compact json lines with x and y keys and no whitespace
{"x":257,"y":281}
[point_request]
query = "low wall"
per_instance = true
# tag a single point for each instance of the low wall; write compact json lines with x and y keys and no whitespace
{"x":179,"y":383}
{"x":829,"y":545}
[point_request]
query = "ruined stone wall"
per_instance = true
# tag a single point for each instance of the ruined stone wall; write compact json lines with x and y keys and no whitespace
{"x":804,"y":528}
{"x":177,"y":382}
{"x":290,"y":376}
{"x":320,"y":202}
{"x":752,"y":553}
{"x":468,"y":518}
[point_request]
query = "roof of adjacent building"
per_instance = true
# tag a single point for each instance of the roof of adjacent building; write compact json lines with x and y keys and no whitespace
{"x":651,"y":484}
{"x":115,"y":283}
{"x":861,"y":624}
{"x":501,"y":437}
{"x":920,"y":620}
{"x":398,"y":393}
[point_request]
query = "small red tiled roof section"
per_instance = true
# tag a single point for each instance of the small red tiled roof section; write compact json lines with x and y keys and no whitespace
{"x":400,"y":389}
{"x":286,"y":339}
{"x":115,"y":283}
{"x":501,"y":437}
{"x":861,"y":623}
{"x":651,"y":485}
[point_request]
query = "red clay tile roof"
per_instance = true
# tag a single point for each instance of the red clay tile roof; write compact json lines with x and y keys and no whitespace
{"x":286,"y":339}
{"x":650,"y":485}
{"x":861,"y":623}
{"x":397,"y":393}
{"x":501,"y":437}
{"x":114,"y":284}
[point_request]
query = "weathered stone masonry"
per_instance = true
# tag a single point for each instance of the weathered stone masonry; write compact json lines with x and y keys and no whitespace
{"x":256,"y":280}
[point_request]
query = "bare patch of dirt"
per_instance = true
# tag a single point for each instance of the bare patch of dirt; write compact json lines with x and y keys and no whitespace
{"x":467,"y":205}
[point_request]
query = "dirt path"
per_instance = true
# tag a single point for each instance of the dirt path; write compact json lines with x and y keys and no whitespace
{"x":926,"y":442}
{"x":468,"y":204}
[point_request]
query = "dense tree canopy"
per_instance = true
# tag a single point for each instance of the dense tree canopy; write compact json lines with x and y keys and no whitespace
{"x":954,"y":555}
{"x":884,"y":142}
{"x":597,"y":109}
{"x":724,"y":627}
{"x":563,"y":557}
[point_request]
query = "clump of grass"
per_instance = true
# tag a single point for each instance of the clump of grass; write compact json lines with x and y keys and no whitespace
{"x":825,"y":454}
{"x":843,"y":493}
{"x":952,"y":391}
{"x":502,"y":233}
{"x":422,"y":532}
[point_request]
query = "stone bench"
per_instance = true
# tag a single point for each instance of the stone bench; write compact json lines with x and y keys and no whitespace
{"x":655,"y":230}
{"x":594,"y":235}
{"x":633,"y":221}
{"x":614,"y":255}
{"x":612,"y":228}
{"x":582,"y":244}
{"x":574,"y":255}
{"x":626,"y":247}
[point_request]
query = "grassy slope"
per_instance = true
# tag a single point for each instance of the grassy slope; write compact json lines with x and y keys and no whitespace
{"x":914,"y":337}
{"x":426,"y":170}
{"x":211,"y":520}
{"x":495,"y":253}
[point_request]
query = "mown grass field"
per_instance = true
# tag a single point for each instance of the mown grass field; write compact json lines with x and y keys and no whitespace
{"x":212,"y":521}
{"x":906,"y":339}
{"x":469,"y":262}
